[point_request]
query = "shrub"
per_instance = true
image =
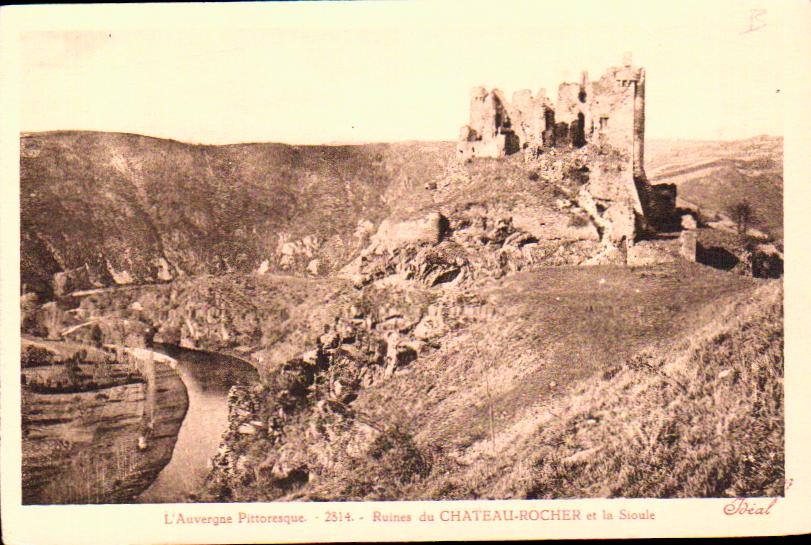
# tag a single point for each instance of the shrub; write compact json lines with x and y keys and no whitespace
{"x":398,"y":456}
{"x":34,"y":356}
{"x":392,"y":462}
{"x":579,"y":220}
{"x":579,"y":175}
{"x":743,"y":214}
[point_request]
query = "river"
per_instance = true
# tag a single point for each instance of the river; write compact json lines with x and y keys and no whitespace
{"x":207,"y":378}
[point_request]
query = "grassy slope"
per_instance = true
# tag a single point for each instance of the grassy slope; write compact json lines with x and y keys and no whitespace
{"x":714,"y":174}
{"x":558,"y":325}
{"x":704,"y":417}
{"x":529,"y":353}
{"x":87,"y":197}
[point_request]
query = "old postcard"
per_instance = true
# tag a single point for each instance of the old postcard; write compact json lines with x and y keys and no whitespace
{"x":397,"y":271}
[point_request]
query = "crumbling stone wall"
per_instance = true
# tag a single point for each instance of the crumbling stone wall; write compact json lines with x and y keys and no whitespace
{"x":609,"y":111}
{"x":490,"y":132}
{"x":573,"y":114}
{"x":608,"y":115}
{"x":615,"y":113}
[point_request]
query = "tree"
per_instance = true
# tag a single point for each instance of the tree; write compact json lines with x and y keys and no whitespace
{"x":742,"y":214}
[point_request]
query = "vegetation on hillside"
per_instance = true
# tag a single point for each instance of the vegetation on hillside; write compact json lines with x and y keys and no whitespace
{"x":520,"y":347}
{"x":742,"y":214}
{"x":715,"y":175}
{"x":471,"y":355}
{"x":701,"y":418}
{"x":45,"y":373}
{"x":139,"y":209}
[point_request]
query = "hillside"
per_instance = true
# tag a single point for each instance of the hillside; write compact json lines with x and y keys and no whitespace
{"x":466,"y":331}
{"x":139,"y":209}
{"x":711,"y":175}
{"x":457,"y":384}
{"x":698,"y":416}
{"x":440,"y":380}
{"x":136,"y":209}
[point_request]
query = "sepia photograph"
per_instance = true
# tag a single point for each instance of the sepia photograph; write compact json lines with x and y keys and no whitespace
{"x":413,"y":252}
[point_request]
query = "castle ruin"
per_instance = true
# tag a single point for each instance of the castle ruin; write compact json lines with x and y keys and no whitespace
{"x":608,"y":115}
{"x":608,"y":111}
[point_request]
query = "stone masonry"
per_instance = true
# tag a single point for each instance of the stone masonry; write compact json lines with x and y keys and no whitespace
{"x":607,"y":116}
{"x":610,"y":111}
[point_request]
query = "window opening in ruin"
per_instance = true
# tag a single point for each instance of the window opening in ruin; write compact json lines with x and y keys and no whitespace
{"x":582,"y":95}
{"x":549,"y":118}
{"x":579,"y":136}
{"x":603,"y":122}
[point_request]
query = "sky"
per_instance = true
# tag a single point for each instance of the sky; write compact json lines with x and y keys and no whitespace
{"x":388,"y":71}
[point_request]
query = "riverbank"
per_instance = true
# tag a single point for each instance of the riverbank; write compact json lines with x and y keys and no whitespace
{"x":83,"y":447}
{"x":208,"y":379}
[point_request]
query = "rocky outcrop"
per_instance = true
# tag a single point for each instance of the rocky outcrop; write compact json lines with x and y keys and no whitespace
{"x":111,"y":330}
{"x":428,"y":230}
{"x":81,"y":448}
{"x":204,"y":313}
{"x":302,"y":414}
{"x":689,"y":244}
{"x":476,"y":242}
{"x":68,"y":281}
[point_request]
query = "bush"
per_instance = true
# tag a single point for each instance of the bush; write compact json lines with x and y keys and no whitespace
{"x":395,"y":452}
{"x":392,"y":462}
{"x":579,"y":220}
{"x":34,"y":356}
{"x":743,"y":214}
{"x":579,"y":175}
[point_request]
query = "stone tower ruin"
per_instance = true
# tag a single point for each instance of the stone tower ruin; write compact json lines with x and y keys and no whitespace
{"x":608,"y":115}
{"x":608,"y":111}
